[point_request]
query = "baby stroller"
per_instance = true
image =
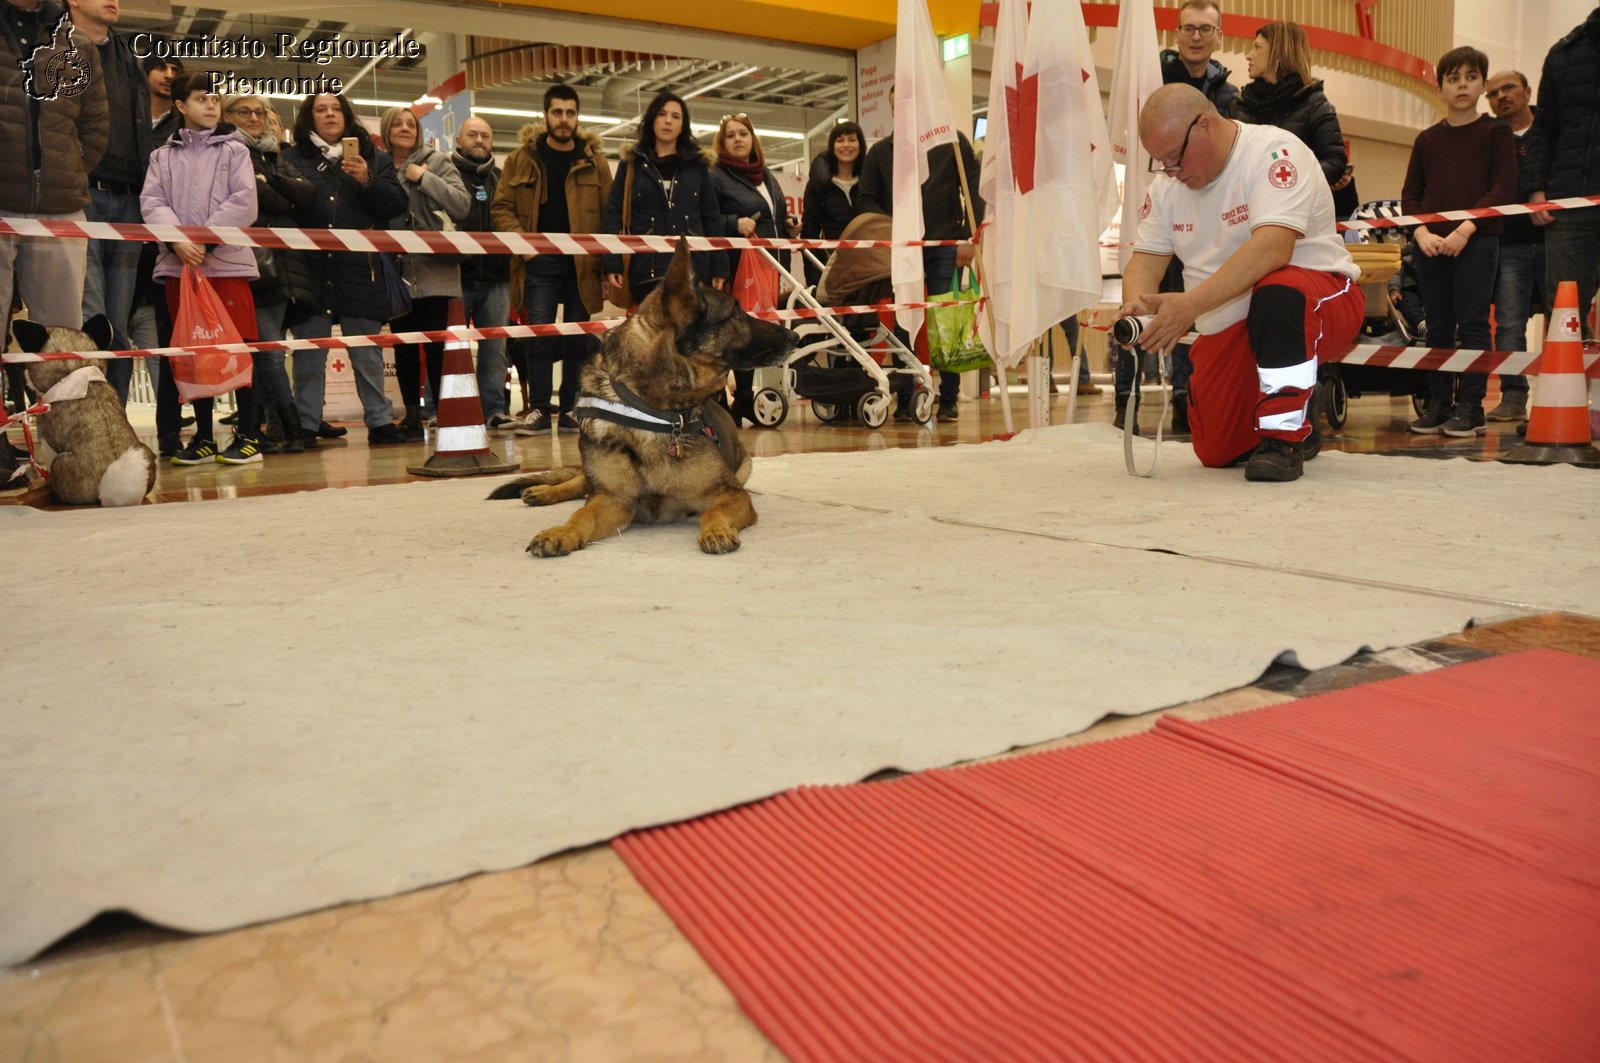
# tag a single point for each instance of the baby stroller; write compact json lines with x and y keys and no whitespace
{"x":833,"y":365}
{"x":1379,"y":256}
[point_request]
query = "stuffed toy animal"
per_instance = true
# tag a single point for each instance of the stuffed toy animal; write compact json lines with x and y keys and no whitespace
{"x":85,"y":439}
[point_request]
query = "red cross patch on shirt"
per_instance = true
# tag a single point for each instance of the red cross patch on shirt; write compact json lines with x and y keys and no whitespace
{"x":1282,"y":174}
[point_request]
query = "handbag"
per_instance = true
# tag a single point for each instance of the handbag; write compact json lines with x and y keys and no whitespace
{"x":395,"y":288}
{"x":203,"y":321}
{"x":626,"y":293}
{"x":755,"y":286}
{"x":953,"y":343}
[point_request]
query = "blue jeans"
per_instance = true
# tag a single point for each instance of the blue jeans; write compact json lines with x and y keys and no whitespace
{"x":270,"y":377}
{"x":1456,"y":294}
{"x":1519,"y":282}
{"x":109,"y":277}
{"x":938,"y":277}
{"x":1572,"y":253}
{"x":551,"y":282}
{"x":310,"y":367}
{"x":488,"y":305}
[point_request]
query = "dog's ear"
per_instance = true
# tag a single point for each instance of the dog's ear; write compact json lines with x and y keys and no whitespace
{"x":677,"y":302}
{"x":98,"y":328}
{"x":31,"y":336}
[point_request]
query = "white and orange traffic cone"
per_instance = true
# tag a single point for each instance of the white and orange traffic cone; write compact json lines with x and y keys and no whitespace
{"x":1559,"y":432}
{"x":462,"y":444}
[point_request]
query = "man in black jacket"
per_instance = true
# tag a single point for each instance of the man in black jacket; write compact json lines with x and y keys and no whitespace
{"x":1519,"y":276}
{"x":1564,"y":159}
{"x":485,"y":279}
{"x":944,"y":217}
{"x":114,"y":184}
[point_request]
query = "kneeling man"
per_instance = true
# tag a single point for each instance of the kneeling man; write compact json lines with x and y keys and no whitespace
{"x":1268,"y":281}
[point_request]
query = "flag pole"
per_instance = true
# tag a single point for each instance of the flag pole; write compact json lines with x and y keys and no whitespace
{"x":983,"y":282}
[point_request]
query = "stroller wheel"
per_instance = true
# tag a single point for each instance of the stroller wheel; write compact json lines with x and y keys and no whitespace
{"x":1335,"y":399}
{"x":873,"y":409}
{"x":922,"y":406}
{"x":769,"y":408}
{"x":826,"y":412}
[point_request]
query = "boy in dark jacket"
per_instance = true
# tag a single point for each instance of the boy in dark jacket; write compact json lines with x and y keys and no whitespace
{"x":1465,"y":161}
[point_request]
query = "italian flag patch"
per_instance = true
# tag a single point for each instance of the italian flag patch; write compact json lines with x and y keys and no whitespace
{"x":1280,"y":153}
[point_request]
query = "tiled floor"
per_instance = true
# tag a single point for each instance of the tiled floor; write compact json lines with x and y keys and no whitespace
{"x":565,"y":959}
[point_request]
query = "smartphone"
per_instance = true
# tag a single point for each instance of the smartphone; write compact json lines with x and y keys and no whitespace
{"x":352,"y":147}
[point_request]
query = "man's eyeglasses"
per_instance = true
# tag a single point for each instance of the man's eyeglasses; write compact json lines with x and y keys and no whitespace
{"x":1188,"y":29}
{"x":1157,"y":165}
{"x":248,"y":112}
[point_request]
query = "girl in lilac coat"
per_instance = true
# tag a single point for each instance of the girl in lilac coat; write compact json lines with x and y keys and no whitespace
{"x":203,"y":176}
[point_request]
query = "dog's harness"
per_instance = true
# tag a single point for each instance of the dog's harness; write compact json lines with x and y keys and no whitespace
{"x":634,"y":412}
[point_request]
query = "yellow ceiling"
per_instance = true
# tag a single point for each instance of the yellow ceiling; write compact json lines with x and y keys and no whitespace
{"x":847,"y":24}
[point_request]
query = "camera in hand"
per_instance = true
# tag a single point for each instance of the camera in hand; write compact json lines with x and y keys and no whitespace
{"x":1127,"y":331}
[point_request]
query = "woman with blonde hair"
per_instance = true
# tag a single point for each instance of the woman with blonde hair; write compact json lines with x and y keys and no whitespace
{"x":752,"y":205}
{"x":436,"y":198}
{"x":1282,"y":92}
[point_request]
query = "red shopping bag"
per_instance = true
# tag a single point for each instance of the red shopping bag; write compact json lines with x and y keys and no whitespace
{"x":203,"y":321}
{"x":756,"y":284}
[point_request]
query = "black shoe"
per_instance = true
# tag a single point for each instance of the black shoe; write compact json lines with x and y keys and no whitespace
{"x":231,"y":420}
{"x":947,"y":412}
{"x":1180,"y":415}
{"x":1465,"y":422}
{"x":185,"y":422}
{"x":198,"y":451}
{"x":568,"y":423}
{"x":1275,"y":461}
{"x":1122,"y":414}
{"x":384,"y":435}
{"x":411,"y":423}
{"x":242,"y":451}
{"x":328,"y":431}
{"x":1431,"y":421}
{"x":169,"y":446}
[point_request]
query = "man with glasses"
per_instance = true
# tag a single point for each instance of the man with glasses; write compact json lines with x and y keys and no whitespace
{"x":1269,"y":282}
{"x":1199,"y":34}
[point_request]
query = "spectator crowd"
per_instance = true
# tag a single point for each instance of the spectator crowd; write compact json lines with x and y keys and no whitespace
{"x":148,"y":140}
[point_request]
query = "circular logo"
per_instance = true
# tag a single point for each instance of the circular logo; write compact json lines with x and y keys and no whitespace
{"x":66,"y":74}
{"x":1144,"y":211}
{"x":1282,"y":174}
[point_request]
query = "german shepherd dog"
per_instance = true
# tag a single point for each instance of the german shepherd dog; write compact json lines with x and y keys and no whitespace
{"x":656,"y":446}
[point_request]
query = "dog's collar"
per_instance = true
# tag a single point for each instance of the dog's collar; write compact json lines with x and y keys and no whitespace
{"x":634,"y":412}
{"x":75,"y":385}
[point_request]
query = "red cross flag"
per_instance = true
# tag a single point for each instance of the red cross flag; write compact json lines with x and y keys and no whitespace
{"x":922,"y":121}
{"x":1134,"y":79}
{"x":1041,"y":252}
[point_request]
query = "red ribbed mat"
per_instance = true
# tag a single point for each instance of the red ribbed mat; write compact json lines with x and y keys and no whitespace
{"x":1408,"y":870}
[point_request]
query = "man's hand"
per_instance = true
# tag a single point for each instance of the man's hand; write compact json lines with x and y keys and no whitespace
{"x":1174,"y":317}
{"x":189,"y":254}
{"x":1452,"y":246}
{"x":1540,"y":217}
{"x":965,"y":253}
{"x":1428,"y":243}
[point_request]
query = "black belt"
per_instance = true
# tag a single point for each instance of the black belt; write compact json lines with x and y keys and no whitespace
{"x":113,"y":186}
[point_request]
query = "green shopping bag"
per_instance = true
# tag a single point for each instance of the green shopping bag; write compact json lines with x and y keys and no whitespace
{"x":953,"y":344}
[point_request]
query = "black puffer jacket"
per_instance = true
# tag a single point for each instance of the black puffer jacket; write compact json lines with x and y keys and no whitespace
{"x":829,"y":208}
{"x":342,"y":283}
{"x":280,"y":192}
{"x":1564,"y":144}
{"x":1214,"y":85}
{"x":740,"y":199}
{"x":48,"y":147}
{"x":693,"y":209}
{"x":1301,"y":109}
{"x":944,"y":215}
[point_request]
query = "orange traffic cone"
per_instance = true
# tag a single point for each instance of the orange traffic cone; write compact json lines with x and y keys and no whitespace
{"x":1558,"y":430}
{"x":462,"y":445}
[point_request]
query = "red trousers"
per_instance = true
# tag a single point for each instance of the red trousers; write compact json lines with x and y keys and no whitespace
{"x":1237,"y":383}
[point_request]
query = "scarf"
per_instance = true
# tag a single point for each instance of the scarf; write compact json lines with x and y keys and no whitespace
{"x":1268,"y":101}
{"x":752,"y":170}
{"x":266,"y":143}
{"x":466,"y":162}
{"x":332,"y":152}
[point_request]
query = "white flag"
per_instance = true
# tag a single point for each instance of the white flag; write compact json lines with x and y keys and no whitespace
{"x":922,"y":121}
{"x":998,"y":186}
{"x":1065,"y":184}
{"x":1134,"y":80}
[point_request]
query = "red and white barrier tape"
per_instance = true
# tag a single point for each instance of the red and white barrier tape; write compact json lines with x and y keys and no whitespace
{"x":1507,"y":211}
{"x":452,"y":335}
{"x":420,"y":242}
{"x":1508,"y":363}
{"x":22,"y":415}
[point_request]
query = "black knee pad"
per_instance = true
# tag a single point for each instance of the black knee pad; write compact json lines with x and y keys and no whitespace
{"x":1276,"y":326}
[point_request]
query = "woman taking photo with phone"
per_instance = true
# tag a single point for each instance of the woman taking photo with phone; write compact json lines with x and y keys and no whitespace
{"x":663,"y":187}
{"x":356,"y":189}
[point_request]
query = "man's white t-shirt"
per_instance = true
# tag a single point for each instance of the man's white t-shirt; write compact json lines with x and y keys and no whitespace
{"x":1272,"y":178}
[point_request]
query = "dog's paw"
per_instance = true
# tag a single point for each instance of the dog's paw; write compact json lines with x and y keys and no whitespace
{"x":721,"y":539}
{"x":554,"y":542}
{"x":539,"y":495}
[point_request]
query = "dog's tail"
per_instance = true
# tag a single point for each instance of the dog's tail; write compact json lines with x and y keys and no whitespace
{"x":548,"y":477}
